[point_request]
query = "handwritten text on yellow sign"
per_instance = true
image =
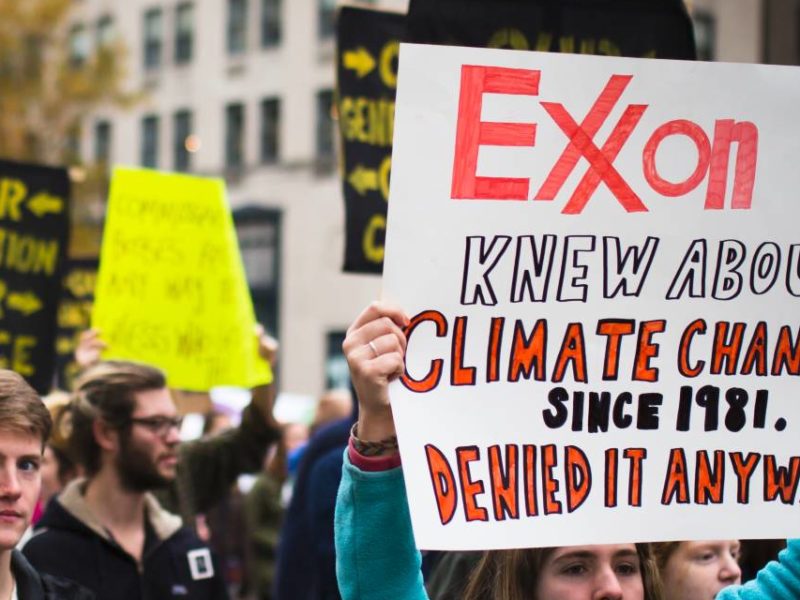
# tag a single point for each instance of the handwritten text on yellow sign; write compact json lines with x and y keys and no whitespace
{"x":171,"y":290}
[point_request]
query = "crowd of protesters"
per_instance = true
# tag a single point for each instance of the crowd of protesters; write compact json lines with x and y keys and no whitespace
{"x":124,"y":509}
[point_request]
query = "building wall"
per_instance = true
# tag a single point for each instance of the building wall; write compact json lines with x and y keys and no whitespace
{"x":738,"y":28}
{"x":315,"y":296}
{"x":782,"y":21}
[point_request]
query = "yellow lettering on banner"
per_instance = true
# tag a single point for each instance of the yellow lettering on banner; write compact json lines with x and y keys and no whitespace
{"x":608,"y":48}
{"x":74,"y":314}
{"x":21,"y":356}
{"x":384,"y":174}
{"x":169,"y":246}
{"x":587,"y":46}
{"x":81,"y":282}
{"x":65,"y":345}
{"x":516,"y":40}
{"x":388,"y":68}
{"x":27,"y":254}
{"x":543,"y":41}
{"x":367,"y":120}
{"x":373,"y":252}
{"x":15,"y":353}
{"x":510,"y":38}
{"x":12,"y":193}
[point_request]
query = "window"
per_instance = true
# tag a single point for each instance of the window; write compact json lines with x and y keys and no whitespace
{"x":153,"y":38}
{"x":184,"y":33}
{"x":32,"y":52}
{"x":102,"y":142}
{"x":234,"y":136}
{"x":704,"y":35}
{"x":270,"y":23}
{"x":105,"y":32}
{"x":150,"y":141}
{"x":181,"y":130}
{"x":78,"y":46}
{"x":325,"y":127}
{"x":326,"y":14}
{"x":270,"y":130}
{"x":259,"y":233}
{"x":237,"y":26}
{"x":337,"y":373}
{"x":72,"y":147}
{"x":326,"y":17}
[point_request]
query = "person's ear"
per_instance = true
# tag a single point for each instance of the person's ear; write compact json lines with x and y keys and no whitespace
{"x":106,"y":436}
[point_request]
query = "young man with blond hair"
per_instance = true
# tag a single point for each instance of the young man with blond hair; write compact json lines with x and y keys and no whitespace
{"x":24,"y":429}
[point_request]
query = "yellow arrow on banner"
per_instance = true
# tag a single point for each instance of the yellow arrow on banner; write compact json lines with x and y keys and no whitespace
{"x":44,"y":203}
{"x":25,"y":302}
{"x":364,"y":180}
{"x":358,"y":60}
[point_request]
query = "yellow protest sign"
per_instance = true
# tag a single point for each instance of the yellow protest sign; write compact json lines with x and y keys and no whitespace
{"x":171,"y":289}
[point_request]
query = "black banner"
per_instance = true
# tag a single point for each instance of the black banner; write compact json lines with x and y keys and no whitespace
{"x":368,"y":46}
{"x":34,"y":225}
{"x":636,"y":28}
{"x":367,"y":63}
{"x":74,"y":315}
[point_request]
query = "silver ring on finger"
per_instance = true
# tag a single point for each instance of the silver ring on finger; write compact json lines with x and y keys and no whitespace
{"x":372,"y":345}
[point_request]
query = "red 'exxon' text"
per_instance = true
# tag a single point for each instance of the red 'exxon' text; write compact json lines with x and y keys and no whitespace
{"x":712,"y":155}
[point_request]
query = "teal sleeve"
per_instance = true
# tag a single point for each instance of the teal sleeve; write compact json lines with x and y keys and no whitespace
{"x":376,"y":557}
{"x":779,"y":580}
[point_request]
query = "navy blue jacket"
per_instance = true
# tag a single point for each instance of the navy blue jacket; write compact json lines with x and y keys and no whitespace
{"x":306,"y":568}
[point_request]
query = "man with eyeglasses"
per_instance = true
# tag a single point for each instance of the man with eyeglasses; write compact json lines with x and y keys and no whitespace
{"x":107,"y":531}
{"x":207,"y":467}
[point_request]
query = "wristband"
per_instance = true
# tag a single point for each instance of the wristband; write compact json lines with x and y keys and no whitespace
{"x":364,"y":448}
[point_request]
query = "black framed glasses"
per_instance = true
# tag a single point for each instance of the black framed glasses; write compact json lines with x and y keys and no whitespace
{"x":159,"y":425}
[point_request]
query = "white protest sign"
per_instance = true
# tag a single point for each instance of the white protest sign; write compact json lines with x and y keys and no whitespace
{"x":601,"y":259}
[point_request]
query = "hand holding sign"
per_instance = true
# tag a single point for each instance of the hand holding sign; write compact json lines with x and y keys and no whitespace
{"x":375,"y":347}
{"x":90,"y":347}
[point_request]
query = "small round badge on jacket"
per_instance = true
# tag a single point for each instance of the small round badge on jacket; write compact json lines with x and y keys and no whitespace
{"x":200,"y":563}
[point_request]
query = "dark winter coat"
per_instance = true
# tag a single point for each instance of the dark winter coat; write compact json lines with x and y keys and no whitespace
{"x":34,"y":586}
{"x":69,"y":542}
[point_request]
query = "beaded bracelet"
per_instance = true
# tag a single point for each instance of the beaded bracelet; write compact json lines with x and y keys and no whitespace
{"x":364,"y":448}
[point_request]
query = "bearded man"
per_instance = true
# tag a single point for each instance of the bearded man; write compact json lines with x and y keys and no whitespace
{"x":107,"y":531}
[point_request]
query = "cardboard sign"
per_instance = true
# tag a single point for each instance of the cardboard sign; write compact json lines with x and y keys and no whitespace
{"x":653,"y":29}
{"x":74,"y":315}
{"x":368,"y":46}
{"x":34,"y":225}
{"x":171,"y":290}
{"x":601,"y":260}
